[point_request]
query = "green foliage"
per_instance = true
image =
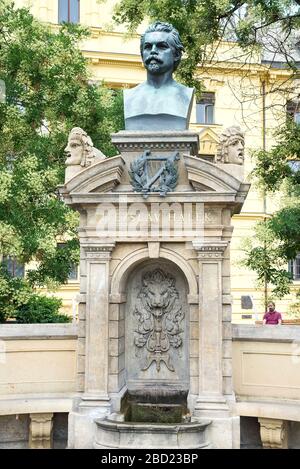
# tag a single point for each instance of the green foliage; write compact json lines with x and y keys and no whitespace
{"x":264,"y":255}
{"x":293,"y":311}
{"x":41,"y":309}
{"x":14,"y":292}
{"x":276,"y":170}
{"x":48,"y":91}
{"x":204,"y":22}
{"x":19,"y":301}
{"x":272,"y":167}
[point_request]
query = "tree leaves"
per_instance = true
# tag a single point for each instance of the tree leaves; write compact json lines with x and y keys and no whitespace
{"x":48,"y":91}
{"x":202,"y":23}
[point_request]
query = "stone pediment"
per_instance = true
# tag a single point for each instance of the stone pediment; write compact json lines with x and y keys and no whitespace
{"x":100,"y":177}
{"x":205,"y":176}
{"x":209,"y":141}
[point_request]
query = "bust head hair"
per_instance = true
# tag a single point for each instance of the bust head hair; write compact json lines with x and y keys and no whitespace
{"x":174,"y":40}
{"x":85,"y":140}
{"x":227,"y":138}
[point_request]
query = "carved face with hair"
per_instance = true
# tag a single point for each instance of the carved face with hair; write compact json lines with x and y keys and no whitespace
{"x":79,"y":149}
{"x":231,"y":146}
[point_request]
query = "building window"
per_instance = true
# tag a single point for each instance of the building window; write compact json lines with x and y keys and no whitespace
{"x":205,"y":109}
{"x":293,"y":110}
{"x":68,"y":11}
{"x":13,"y":267}
{"x":73,"y":274}
{"x":294,"y":268}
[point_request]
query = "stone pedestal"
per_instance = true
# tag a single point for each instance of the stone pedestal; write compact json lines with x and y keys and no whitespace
{"x":155,"y":292}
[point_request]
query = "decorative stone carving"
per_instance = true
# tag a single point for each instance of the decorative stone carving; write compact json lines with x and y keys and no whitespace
{"x":80,"y":149}
{"x":273,"y":433}
{"x":80,"y":152}
{"x":159,"y":315}
{"x":231,"y":146}
{"x":40,"y":436}
{"x":147,"y":176}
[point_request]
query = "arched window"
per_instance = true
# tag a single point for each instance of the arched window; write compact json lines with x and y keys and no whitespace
{"x":68,"y":11}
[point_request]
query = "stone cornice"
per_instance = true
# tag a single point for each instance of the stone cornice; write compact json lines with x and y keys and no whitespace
{"x":132,"y":141}
{"x":213,"y":250}
{"x":99,"y":251}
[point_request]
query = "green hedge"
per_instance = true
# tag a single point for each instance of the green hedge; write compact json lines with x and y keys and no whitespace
{"x":41,"y":309}
{"x":19,"y":301}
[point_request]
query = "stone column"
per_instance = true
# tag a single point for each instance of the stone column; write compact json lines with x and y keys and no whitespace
{"x":40,"y":431}
{"x":93,"y":349}
{"x":97,"y":307}
{"x":273,"y":433}
{"x":210,"y":400}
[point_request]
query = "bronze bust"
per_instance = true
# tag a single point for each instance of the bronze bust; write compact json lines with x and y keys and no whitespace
{"x":159,"y":103}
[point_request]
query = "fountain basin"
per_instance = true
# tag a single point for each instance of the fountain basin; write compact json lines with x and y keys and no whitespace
{"x":125,"y":435}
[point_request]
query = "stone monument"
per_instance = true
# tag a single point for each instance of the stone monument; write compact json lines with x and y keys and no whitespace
{"x":154,"y":341}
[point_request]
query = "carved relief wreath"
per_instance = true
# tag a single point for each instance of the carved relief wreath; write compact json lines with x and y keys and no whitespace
{"x":159,"y":315}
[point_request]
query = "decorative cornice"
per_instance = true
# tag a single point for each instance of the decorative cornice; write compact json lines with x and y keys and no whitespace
{"x":99,"y":251}
{"x":133,"y":141}
{"x":214,"y":250}
{"x":162,"y":145}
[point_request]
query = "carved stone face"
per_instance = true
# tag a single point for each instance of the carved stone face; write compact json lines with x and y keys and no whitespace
{"x":157,"y":54}
{"x":74,"y":151}
{"x":235,"y":150}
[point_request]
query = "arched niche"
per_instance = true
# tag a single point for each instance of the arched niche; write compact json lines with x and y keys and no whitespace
{"x":157,"y":328}
{"x":132,"y":260}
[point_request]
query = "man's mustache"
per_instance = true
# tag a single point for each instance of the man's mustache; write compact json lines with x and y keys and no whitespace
{"x":153,"y":58}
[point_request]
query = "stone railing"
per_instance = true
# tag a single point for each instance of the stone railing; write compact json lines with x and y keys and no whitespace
{"x":37,"y":381}
{"x":37,"y":367}
{"x":266,"y":373}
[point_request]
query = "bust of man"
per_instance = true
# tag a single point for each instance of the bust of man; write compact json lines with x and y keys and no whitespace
{"x":159,"y":103}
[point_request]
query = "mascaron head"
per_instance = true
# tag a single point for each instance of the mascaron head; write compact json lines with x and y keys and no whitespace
{"x":231,"y":146}
{"x":79,"y":149}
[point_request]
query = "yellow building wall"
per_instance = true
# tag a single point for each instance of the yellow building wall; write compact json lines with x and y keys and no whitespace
{"x":114,"y":57}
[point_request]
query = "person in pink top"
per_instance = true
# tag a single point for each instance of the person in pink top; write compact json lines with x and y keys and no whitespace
{"x":272,"y":316}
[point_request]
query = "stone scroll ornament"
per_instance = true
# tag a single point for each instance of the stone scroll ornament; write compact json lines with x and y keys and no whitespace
{"x":147,"y":176}
{"x":159,"y":315}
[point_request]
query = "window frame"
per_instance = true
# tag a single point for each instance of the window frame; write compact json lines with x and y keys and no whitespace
{"x":69,"y":15}
{"x":60,"y":245}
{"x":293,"y":269}
{"x":293,"y":110}
{"x":12,"y":264}
{"x":207,"y":102}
